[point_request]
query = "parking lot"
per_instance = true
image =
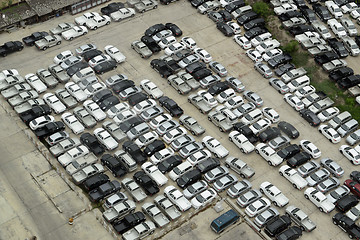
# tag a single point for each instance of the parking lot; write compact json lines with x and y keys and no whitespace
{"x":223,"y":50}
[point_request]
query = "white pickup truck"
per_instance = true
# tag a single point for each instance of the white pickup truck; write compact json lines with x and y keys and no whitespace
{"x":300,"y":218}
{"x":320,"y":105}
{"x":274,"y":194}
{"x":168,"y":207}
{"x":292,"y":74}
{"x":241,"y":142}
{"x":64,"y":145}
{"x":154,"y":173}
{"x":119,"y":210}
{"x":199,"y":103}
{"x":87,"y":172}
{"x":80,"y":163}
{"x":268,"y":154}
{"x":319,"y":200}
{"x":133,"y":188}
{"x":293,"y":177}
{"x":155,"y":214}
{"x":240,"y":167}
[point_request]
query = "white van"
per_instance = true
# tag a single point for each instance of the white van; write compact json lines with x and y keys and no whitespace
{"x":298,"y":83}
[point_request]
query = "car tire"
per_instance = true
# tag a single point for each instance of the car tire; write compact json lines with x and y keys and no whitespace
{"x":209,"y":119}
{"x":281,"y":174}
{"x":215,"y":155}
{"x":351,"y":236}
{"x":21,"y":48}
{"x":58,"y":43}
{"x":221,"y":130}
{"x":256,"y":151}
{"x":321,"y":209}
{"x":44,"y":48}
{"x":201,"y":111}
{"x":294,"y":185}
{"x":70,"y":39}
{"x":275,"y":203}
{"x":227,"y":165}
{"x":269,"y":163}
{"x":306,"y":196}
{"x":107,"y":23}
{"x":193,"y":133}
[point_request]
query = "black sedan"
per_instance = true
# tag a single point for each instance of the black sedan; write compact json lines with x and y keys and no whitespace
{"x":225,"y":29}
{"x":150,"y":187}
{"x":104,"y":67}
{"x":168,"y":164}
{"x":112,"y":7}
{"x":161,"y":67}
{"x":92,"y":143}
{"x":189,"y":178}
{"x":171,"y":106}
{"x":151,"y":44}
{"x":115,"y":167}
{"x":176,"y":31}
{"x":310,"y":117}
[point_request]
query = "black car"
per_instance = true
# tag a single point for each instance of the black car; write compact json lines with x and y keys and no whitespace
{"x":34,"y":112}
{"x":134,"y":151}
{"x":195,"y":67}
{"x":234,"y":5}
{"x":349,"y":81}
{"x":105,"y":66}
{"x":288,"y":129}
{"x":269,"y":134}
{"x":247,"y":17}
{"x":136,"y":98}
{"x":246,"y":131}
{"x":112,"y":7}
{"x":226,"y":15}
{"x":104,"y":190}
{"x":121,"y":86}
{"x":167,"y":2}
{"x":10,"y":47}
{"x":310,"y":117}
{"x":101,"y":95}
{"x":284,"y":68}
{"x":257,"y":22}
{"x":289,"y":151}
{"x":201,"y":73}
{"x":326,"y":57}
{"x":161,"y":67}
{"x":91,"y":54}
{"x":95,"y":181}
{"x":128,"y":222}
{"x":172,"y":64}
{"x":151,"y":44}
{"x":347,"y":225}
{"x":300,"y":29}
{"x":196,"y":3}
{"x":150,"y":187}
{"x":340,"y":73}
{"x":308,"y":14}
{"x":107,"y":103}
{"x":338,"y":47}
{"x":171,"y":106}
{"x":225,"y":29}
{"x":250,"y":34}
{"x":299,"y":3}
{"x":291,"y":233}
{"x":287,"y":15}
{"x":154,"y":29}
{"x":299,"y":159}
{"x":277,"y":225}
{"x":181,"y":54}
{"x":92,"y":143}
{"x":357,"y":40}
{"x":130,"y":123}
{"x":168,"y":164}
{"x":322,"y":12}
{"x":76,"y":67}
{"x":345,"y":203}
{"x":189,"y":178}
{"x":208,"y":164}
{"x":279,"y":60}
{"x":154,"y":147}
{"x":30,"y":40}
{"x":176,"y":31}
{"x":355,"y":175}
{"x":50,"y":128}
{"x":218,"y":88}
{"x":115,"y":167}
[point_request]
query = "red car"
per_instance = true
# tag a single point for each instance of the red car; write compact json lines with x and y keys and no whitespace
{"x":353,"y":186}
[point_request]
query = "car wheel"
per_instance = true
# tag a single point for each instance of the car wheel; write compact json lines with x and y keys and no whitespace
{"x":193,"y":133}
{"x":311,"y":124}
{"x":320,"y":131}
{"x":321,"y":210}
{"x":306,"y":196}
{"x":334,"y":222}
{"x":4,"y":55}
{"x":281,"y":174}
{"x":84,"y":33}
{"x":302,"y":228}
{"x":351,"y":236}
{"x":341,"y":151}
{"x":269,"y":163}
{"x":142,"y":11}
{"x":171,"y":114}
{"x":227,"y":165}
{"x":107,"y":23}
{"x":20,"y":48}
{"x":242,"y":175}
{"x":275,"y":203}
{"x":221,"y":130}
{"x":242,"y":150}
{"x":71,"y":38}
{"x":209,"y":119}
{"x":262,"y":191}
{"x":216,"y":155}
{"x":58,"y":43}
{"x":201,"y":111}
{"x":257,"y":151}
{"x":331,"y":141}
{"x":294,"y":185}
{"x":152,"y":232}
{"x":44,"y":48}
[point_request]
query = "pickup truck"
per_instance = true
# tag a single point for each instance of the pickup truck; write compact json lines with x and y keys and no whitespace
{"x":168,"y":207}
{"x":145,"y":5}
{"x":47,"y":77}
{"x":114,"y":131}
{"x":321,"y":29}
{"x":22,"y":97}
{"x":104,"y":190}
{"x":239,"y":167}
{"x":119,"y":210}
{"x":274,"y":194}
{"x":347,"y":225}
{"x":191,"y":124}
{"x":87,"y":172}
{"x":49,"y":128}
{"x":16,"y":89}
{"x":66,"y":98}
{"x":292,"y":74}
{"x":300,"y":218}
{"x":277,"y":3}
{"x":10,"y":47}
{"x":219,"y":120}
{"x":80,"y":163}
{"x":48,"y":41}
{"x":81,"y":21}
{"x":300,"y":38}
{"x":25,"y":106}
{"x":293,"y":177}
{"x":134,"y":189}
{"x":268,"y":154}
{"x":178,"y":84}
{"x":154,"y":173}
{"x":313,"y":42}
{"x":64,"y":145}
{"x":321,"y":105}
{"x":10,"y":81}
{"x":34,"y":112}
{"x":59,"y":73}
{"x":241,"y":142}
{"x":155,"y":214}
{"x":319,"y":49}
{"x":319,"y":200}
{"x":316,"y":96}
{"x":199,"y":103}
{"x":74,"y":32}
{"x":140,"y":231}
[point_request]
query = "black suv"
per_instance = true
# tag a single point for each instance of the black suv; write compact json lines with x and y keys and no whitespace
{"x":104,"y":190}
{"x":257,"y":22}
{"x":150,"y":187}
{"x":347,"y":225}
{"x":298,"y":159}
{"x":246,"y":131}
{"x":279,"y":60}
{"x":112,"y":7}
{"x":128,"y":222}
{"x":310,"y":117}
{"x":349,"y":81}
{"x":161,"y":67}
{"x":277,"y":225}
{"x":322,"y":12}
{"x":287,"y":15}
{"x":154,"y":147}
{"x":300,"y":29}
{"x":283,"y":69}
{"x":256,"y":31}
{"x":171,"y":106}
{"x":168,"y":164}
{"x":340,"y":73}
{"x":95,"y":181}
{"x":325,"y":57}
{"x":269,"y":134}
{"x":247,"y":17}
{"x":134,"y":151}
{"x":293,"y":232}
{"x":338,"y":47}
{"x":50,"y":128}
{"x":225,"y":29}
{"x":289,"y":151}
{"x":308,"y":14}
{"x":92,"y":143}
{"x":151,"y":44}
{"x":115,"y":167}
{"x":34,"y":112}
{"x":91,"y":54}
{"x":201,"y":73}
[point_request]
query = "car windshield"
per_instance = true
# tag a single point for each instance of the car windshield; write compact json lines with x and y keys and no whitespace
{"x":200,"y":198}
{"x":177,"y":171}
{"x":252,"y":208}
{"x":261,"y":218}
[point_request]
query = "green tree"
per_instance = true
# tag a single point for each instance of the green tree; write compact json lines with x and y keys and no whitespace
{"x":291,"y":47}
{"x":262,"y":9}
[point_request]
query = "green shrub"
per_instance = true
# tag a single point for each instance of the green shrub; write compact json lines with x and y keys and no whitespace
{"x":262,"y":9}
{"x":291,"y":47}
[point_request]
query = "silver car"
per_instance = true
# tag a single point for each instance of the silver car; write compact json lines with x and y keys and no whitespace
{"x":308,"y":168}
{"x":279,"y":142}
{"x":216,"y":173}
{"x":254,"y":98}
{"x":317,"y":177}
{"x":338,"y":193}
{"x":224,"y":182}
{"x":328,"y":184}
{"x":263,"y":69}
{"x":279,"y":85}
{"x":166,"y":126}
{"x":182,"y":141}
{"x":195,"y":188}
{"x":264,"y":217}
{"x":249,"y":197}
{"x":332,"y":166}
{"x":190,"y":149}
{"x":239,"y":188}
{"x":218,"y":68}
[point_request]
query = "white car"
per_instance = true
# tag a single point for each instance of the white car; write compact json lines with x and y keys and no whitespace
{"x":241,"y":142}
{"x":269,"y":154}
{"x":99,"y":59}
{"x":161,"y":35}
{"x":347,"y":8}
{"x":35,"y":82}
{"x":260,"y":126}
{"x":105,"y":139}
{"x":76,"y":91}
{"x":157,"y":121}
{"x":124,"y":115}
{"x":271,"y":114}
{"x":94,"y":88}
{"x":176,"y":197}
{"x":257,"y":207}
{"x":162,"y":155}
{"x":330,"y":133}
{"x":310,"y":148}
{"x":203,"y":54}
{"x":271,"y":53}
{"x":294,"y":101}
{"x":274,"y":194}
{"x":260,"y":39}
{"x":334,"y":9}
{"x":85,"y":17}
{"x":72,"y":122}
{"x":153,"y":172}
{"x":226,"y":95}
{"x":122,"y":14}
{"x":304,"y":91}
{"x":146,"y":139}
{"x":203,"y":198}
{"x":337,"y":28}
{"x":54,"y":103}
{"x":254,"y":55}
{"x":355,"y":13}
{"x":167,"y":41}
{"x":198,"y":157}
{"x":286,"y":7}
{"x":293,"y":177}
{"x":150,"y":88}
{"x":174,"y":48}
{"x":183,"y":63}
{"x":143,"y":105}
{"x":115,"y":54}
{"x":174,"y":134}
{"x":350,"y":153}
{"x":319,"y":200}
{"x":74,"y":32}
{"x":215,"y":147}
{"x":66,"y":158}
{"x":118,"y":108}
{"x":63,"y":56}
{"x":98,"y":21}
{"x":354,"y":212}
{"x":234,"y":102}
{"x":349,"y":26}
{"x":235,"y":27}
{"x":70,"y":62}
{"x":94,"y":110}
{"x":189,"y":43}
{"x":208,"y":98}
{"x":267,"y":45}
{"x":242,"y":41}
{"x":40,"y":122}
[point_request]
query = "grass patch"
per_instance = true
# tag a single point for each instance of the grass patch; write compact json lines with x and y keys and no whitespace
{"x":12,"y":8}
{"x":300,"y":58}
